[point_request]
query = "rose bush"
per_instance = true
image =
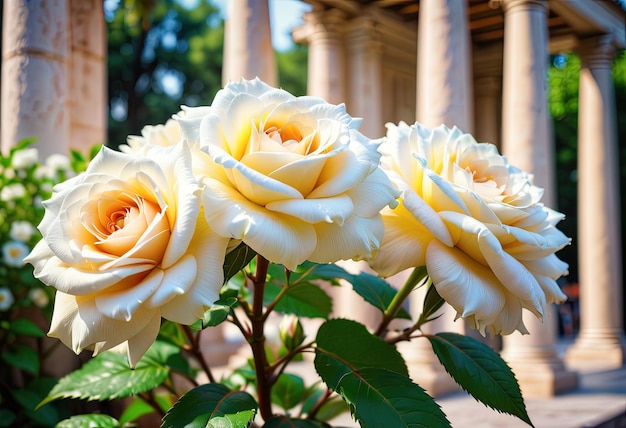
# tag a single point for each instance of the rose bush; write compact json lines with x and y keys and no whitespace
{"x":475,"y":222}
{"x":290,"y":176}
{"x":125,"y":244}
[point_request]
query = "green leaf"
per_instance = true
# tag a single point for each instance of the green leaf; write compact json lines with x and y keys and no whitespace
{"x":282,"y":421}
{"x":89,"y":421}
{"x":23,"y":357}
{"x":218,"y":313}
{"x":480,"y":371}
{"x":172,"y":333}
{"x":371,"y":376}
{"x":25,"y":327}
{"x":303,"y":300}
{"x":432,"y":302}
{"x":376,"y":291}
{"x":211,"y":405}
{"x":378,"y":397}
{"x":309,"y":271}
{"x":331,"y":409}
{"x":342,"y":341}
{"x":135,"y":410}
{"x":288,"y":391}
{"x":108,"y":376}
{"x":237,"y":260}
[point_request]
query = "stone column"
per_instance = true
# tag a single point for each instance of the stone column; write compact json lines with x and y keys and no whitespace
{"x":35,"y":70}
{"x":444,"y":96}
{"x":364,"y":56}
{"x":326,"y":67}
{"x":488,"y":94}
{"x":444,"y":65}
{"x":87,"y":86}
{"x":248,"y":51}
{"x":526,"y":140}
{"x":601,"y":339}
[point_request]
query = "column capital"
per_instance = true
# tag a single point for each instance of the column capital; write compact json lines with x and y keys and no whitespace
{"x":363,"y":34}
{"x":323,"y":25}
{"x":597,"y":51}
{"x":511,"y":5}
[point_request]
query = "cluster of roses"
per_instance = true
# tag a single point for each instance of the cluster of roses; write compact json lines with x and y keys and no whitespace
{"x":143,"y":233}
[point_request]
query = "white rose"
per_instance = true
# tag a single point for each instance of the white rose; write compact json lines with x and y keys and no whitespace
{"x":291,"y":177}
{"x":125,"y":244}
{"x":475,"y":222}
{"x":153,"y":135}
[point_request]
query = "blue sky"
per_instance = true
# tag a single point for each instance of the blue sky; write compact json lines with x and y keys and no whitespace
{"x":284,"y":15}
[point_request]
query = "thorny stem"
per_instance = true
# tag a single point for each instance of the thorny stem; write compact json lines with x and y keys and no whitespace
{"x":257,"y":341}
{"x":318,"y":404}
{"x":195,"y":350}
{"x":417,"y":276}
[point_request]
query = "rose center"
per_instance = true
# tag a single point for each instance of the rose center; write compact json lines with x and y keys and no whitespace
{"x":288,"y":135}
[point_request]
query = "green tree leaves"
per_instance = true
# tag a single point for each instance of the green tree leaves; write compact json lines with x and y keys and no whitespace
{"x":372,"y":377}
{"x":481,"y":372}
{"x":211,"y":405}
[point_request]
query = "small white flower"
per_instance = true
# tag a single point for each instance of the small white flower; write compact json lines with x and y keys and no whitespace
{"x":8,"y":173}
{"x":25,"y":158}
{"x":38,"y":297}
{"x":22,"y":230}
{"x":58,"y":162}
{"x":6,"y":299}
{"x":12,"y":191}
{"x":42,"y":172}
{"x":14,"y":252}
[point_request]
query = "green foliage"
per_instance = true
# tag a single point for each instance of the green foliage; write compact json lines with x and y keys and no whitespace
{"x":371,"y":376}
{"x":301,"y":299}
{"x":481,"y":372}
{"x":282,"y":421}
{"x":288,"y":391}
{"x":211,"y":405}
{"x":236,"y":260}
{"x":94,"y":420}
{"x":155,"y":44}
{"x":108,"y":376}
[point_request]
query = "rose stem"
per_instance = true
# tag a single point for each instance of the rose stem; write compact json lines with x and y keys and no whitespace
{"x":418,"y":274}
{"x":195,"y":350}
{"x":258,"y":338}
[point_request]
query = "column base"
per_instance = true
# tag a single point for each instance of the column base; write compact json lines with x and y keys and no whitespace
{"x":597,"y":351}
{"x":542,"y":374}
{"x":426,"y":371}
{"x":543,"y":380}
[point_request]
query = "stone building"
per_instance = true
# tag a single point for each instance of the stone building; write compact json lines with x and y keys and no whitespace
{"x":478,"y":64}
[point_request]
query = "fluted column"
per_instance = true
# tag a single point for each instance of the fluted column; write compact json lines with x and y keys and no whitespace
{"x":444,"y":65}
{"x":326,"y":66}
{"x":364,"y":57}
{"x":444,"y":96}
{"x":87,"y":85}
{"x":601,"y":339}
{"x":35,"y":71}
{"x":527,"y":142}
{"x":488,"y":94}
{"x":248,"y":51}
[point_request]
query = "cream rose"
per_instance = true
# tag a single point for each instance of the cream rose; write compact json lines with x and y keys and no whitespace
{"x":290,"y":176}
{"x":475,"y":222}
{"x":125,"y":244}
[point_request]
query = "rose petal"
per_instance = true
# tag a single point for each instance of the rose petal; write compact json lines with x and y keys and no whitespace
{"x":329,"y":210}
{"x":357,"y":239}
